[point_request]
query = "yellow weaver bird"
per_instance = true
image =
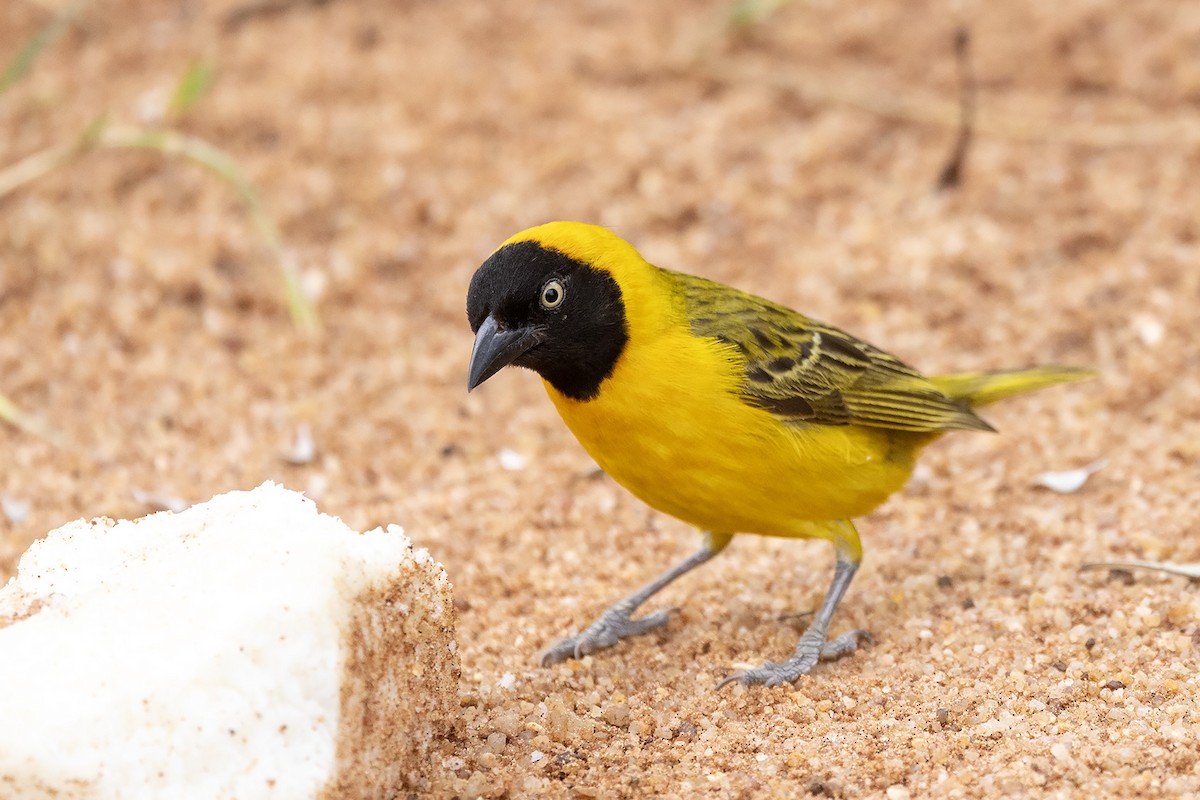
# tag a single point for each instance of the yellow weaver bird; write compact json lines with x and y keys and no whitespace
{"x":722,"y":409}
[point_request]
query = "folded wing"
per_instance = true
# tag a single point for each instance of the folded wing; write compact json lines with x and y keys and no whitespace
{"x":804,"y":372}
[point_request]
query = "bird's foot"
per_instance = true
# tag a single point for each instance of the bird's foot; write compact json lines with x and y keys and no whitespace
{"x":811,"y":648}
{"x":612,"y":626}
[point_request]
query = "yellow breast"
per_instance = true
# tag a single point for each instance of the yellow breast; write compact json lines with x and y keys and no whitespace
{"x":670,"y":426}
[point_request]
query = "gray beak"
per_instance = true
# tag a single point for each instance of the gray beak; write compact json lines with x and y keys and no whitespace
{"x":496,"y":348}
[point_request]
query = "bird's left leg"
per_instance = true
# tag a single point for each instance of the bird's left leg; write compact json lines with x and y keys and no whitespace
{"x":813,"y":646}
{"x":616,"y":623}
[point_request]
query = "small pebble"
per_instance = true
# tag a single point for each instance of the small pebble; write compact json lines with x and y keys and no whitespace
{"x":160,"y":501}
{"x":616,"y":714}
{"x":1149,"y":329}
{"x":14,"y":510}
{"x":304,"y":447}
{"x":1068,"y":481}
{"x":511,"y":460}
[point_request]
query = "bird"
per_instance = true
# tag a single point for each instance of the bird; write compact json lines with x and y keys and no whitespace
{"x":722,"y":409}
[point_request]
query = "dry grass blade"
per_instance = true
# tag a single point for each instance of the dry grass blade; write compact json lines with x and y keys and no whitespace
{"x":37,"y":44}
{"x":865,"y":92}
{"x":304,"y":316}
{"x":101,"y":136}
{"x":19,"y":419}
{"x":46,"y":161}
{"x":1186,"y":570}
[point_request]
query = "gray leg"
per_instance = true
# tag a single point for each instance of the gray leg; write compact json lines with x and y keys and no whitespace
{"x":813,"y":646}
{"x":616,"y":624}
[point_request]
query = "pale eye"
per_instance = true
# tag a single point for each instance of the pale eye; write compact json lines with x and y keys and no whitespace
{"x":553,"y":294}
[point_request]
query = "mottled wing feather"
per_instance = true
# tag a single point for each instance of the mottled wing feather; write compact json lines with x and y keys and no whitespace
{"x":805,"y":372}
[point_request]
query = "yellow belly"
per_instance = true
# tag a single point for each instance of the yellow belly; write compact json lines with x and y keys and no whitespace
{"x":669,"y":426}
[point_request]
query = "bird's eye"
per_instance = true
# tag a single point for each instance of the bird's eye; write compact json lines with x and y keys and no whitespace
{"x":553,"y":294}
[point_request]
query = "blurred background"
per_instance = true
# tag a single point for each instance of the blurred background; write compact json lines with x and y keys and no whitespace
{"x":236,"y":236}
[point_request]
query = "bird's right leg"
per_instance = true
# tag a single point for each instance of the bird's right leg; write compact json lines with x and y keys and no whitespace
{"x":616,"y":622}
{"x":813,"y":645}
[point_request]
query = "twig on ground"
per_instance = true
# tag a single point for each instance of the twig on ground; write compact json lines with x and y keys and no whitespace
{"x":951,"y":174}
{"x":239,"y":16}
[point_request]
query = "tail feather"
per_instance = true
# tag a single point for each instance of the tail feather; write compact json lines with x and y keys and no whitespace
{"x":981,"y":388}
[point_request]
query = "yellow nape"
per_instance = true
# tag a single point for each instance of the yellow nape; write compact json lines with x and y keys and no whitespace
{"x":652,"y":307}
{"x":591,"y":244}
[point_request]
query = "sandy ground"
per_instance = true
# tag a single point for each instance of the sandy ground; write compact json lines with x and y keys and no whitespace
{"x":396,"y":144}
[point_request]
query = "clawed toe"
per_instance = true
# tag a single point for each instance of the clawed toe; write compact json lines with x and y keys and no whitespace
{"x":811,"y":649}
{"x":611,"y":628}
{"x":560,"y":651}
{"x":845,"y":644}
{"x":771,"y":673}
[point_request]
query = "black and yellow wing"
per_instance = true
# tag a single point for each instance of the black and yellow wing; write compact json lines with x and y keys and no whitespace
{"x":805,"y":372}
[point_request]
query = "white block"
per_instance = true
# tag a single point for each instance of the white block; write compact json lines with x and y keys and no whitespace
{"x":248,"y":647}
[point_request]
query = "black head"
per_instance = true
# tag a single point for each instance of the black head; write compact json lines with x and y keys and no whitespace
{"x":537,"y":308}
